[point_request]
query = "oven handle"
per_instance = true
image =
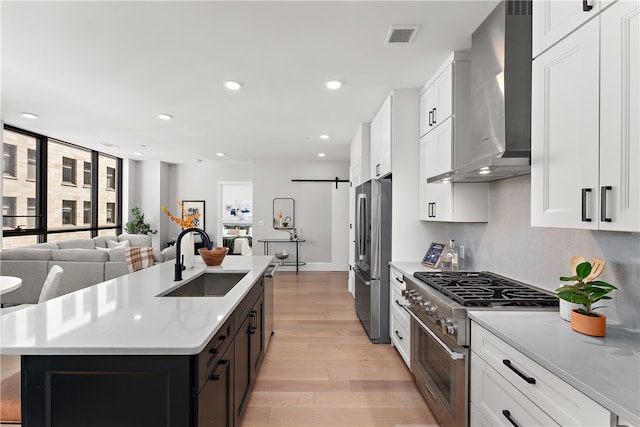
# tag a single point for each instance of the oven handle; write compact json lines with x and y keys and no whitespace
{"x":453,"y":354}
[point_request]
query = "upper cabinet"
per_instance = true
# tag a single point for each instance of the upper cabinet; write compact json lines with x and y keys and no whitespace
{"x":585,"y":153}
{"x":436,"y":102}
{"x":360,"y":157}
{"x":553,"y":20}
{"x":444,"y":121}
{"x":381,"y":140}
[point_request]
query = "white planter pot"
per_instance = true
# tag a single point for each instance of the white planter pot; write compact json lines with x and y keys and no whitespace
{"x":186,"y":250}
{"x":566,"y":307}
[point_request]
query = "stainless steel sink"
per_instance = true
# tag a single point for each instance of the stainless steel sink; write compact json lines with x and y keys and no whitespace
{"x":207,"y":285}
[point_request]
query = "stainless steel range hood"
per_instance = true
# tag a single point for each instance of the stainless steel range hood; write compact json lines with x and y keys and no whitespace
{"x":500,"y":144}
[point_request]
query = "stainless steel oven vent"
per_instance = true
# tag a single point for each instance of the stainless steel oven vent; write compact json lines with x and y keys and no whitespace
{"x":520,"y":7}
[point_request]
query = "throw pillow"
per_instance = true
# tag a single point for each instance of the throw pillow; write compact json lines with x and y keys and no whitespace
{"x":138,"y":258}
{"x":113,"y":245}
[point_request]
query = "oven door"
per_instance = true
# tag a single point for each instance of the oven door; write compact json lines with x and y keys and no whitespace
{"x":441,"y":374}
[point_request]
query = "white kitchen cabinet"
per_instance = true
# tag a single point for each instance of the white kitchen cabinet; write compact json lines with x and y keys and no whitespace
{"x":447,"y":201}
{"x":553,"y":20}
{"x":436,"y":103}
{"x":381,"y":140}
{"x":444,"y":121}
{"x":585,"y":140}
{"x":360,"y":155}
{"x":399,"y":321}
{"x":505,"y":384}
{"x":619,"y":117}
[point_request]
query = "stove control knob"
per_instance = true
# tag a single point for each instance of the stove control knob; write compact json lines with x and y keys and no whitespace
{"x":452,"y":327}
{"x":431,"y":309}
{"x":417,"y":299}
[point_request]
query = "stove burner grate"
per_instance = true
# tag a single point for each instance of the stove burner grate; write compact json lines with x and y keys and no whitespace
{"x":485,"y":289}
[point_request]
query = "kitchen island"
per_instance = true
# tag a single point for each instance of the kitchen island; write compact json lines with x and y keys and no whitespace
{"x":121,"y":353}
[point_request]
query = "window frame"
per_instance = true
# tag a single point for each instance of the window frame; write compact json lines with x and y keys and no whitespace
{"x":42,"y":192}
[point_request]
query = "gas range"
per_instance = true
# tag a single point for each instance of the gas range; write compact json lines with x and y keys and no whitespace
{"x":441,"y":299}
{"x":440,"y":331}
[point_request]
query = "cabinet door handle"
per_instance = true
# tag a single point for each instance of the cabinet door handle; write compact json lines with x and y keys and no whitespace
{"x":586,"y":5}
{"x":399,"y":303}
{"x":431,"y":118}
{"x":398,"y":280}
{"x":217,"y":373}
{"x":434,"y":210}
{"x":507,"y":363}
{"x":214,"y":350}
{"x":434,"y":115}
{"x":584,"y":204}
{"x":398,"y":335}
{"x":508,"y":416}
{"x":603,"y":203}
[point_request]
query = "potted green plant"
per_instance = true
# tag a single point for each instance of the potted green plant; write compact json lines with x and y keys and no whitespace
{"x":587,"y":292}
{"x":138,"y":226}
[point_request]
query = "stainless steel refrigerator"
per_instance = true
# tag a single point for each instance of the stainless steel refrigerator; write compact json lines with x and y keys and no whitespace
{"x":373,"y":253}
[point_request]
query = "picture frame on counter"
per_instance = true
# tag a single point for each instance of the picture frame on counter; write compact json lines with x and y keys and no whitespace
{"x":434,"y":255}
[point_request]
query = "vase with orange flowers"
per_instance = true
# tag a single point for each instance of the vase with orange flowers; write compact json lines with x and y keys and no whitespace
{"x":187,"y":244}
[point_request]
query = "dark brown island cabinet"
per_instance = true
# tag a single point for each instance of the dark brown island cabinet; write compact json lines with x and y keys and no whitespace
{"x":207,"y":389}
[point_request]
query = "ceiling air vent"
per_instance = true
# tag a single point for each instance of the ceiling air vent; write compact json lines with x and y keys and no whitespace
{"x":402,"y":34}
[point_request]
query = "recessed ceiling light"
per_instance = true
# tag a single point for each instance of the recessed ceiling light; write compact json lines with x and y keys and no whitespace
{"x":484,"y":171}
{"x":231,"y":85}
{"x":220,"y":154}
{"x":333,"y":84}
{"x":138,"y":153}
{"x":164,"y":116}
{"x":324,"y":136}
{"x":321,"y":154}
{"x":29,"y":115}
{"x":197,"y":160}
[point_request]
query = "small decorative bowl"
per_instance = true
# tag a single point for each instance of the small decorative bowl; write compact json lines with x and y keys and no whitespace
{"x":213,"y":256}
{"x":281,"y":257}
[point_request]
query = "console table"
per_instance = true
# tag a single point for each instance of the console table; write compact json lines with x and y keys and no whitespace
{"x":266,"y":242}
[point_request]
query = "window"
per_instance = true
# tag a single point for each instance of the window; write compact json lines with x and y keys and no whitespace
{"x":69,"y":212}
{"x":31,"y":164}
{"x":111,"y":213}
{"x":31,"y":212}
{"x":8,"y":210}
{"x":86,"y":214}
{"x":68,"y":170}
{"x":9,"y":159}
{"x":54,"y":190}
{"x":111,"y":178}
{"x":87,"y":173}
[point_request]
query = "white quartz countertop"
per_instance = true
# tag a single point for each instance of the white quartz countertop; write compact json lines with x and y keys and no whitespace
{"x":606,"y":369}
{"x":409,"y":267}
{"x":125,"y":315}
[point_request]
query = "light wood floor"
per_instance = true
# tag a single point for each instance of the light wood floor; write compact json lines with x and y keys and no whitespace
{"x":322,"y":370}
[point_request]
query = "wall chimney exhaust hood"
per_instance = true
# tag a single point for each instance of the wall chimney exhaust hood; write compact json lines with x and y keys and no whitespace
{"x":500,"y":144}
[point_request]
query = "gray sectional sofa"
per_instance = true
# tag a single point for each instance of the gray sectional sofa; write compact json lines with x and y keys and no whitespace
{"x":85,"y":263}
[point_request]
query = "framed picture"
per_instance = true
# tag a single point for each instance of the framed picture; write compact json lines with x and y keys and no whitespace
{"x":434,"y":255}
{"x":192,"y":207}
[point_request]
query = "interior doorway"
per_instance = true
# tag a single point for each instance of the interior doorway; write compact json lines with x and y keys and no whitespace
{"x":236,"y":216}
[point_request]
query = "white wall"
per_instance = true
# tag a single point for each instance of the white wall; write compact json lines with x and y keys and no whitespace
{"x":199,"y":181}
{"x":313,"y":206}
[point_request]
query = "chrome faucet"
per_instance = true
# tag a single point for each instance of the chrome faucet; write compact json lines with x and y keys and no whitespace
{"x":179,"y":261}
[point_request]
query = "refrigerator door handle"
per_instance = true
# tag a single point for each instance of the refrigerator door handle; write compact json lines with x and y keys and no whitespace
{"x":361,"y":213}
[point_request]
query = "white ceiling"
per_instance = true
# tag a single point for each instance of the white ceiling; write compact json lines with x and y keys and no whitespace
{"x":98,"y":73}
